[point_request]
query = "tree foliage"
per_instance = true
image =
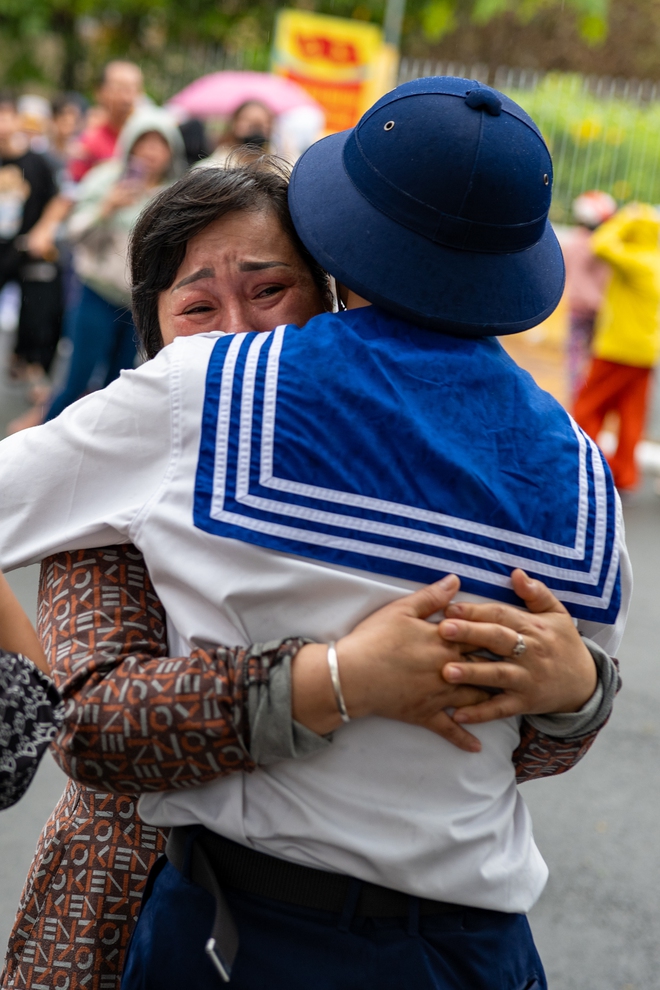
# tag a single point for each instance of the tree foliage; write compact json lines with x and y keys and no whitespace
{"x":63,"y":42}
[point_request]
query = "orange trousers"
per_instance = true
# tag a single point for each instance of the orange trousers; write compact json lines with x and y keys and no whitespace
{"x":620,"y":388}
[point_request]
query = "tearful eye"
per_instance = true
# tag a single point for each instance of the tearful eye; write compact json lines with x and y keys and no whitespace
{"x":271,"y":290}
{"x":202,"y":308}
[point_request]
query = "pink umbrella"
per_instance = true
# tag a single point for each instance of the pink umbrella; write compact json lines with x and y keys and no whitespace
{"x":220,"y":93}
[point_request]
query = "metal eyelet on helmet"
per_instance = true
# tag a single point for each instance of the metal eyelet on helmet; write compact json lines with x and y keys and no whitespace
{"x":389,"y":125}
{"x":546,"y":179}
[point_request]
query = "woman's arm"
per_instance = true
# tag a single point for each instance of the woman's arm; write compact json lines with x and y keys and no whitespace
{"x":137,"y":720}
{"x":17,"y":634}
{"x":30,"y":707}
{"x":31,"y":712}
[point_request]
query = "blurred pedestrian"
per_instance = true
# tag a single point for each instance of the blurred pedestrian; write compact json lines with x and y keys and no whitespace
{"x":119,"y":91}
{"x":48,"y":241}
{"x":35,"y":120}
{"x":295,"y":130}
{"x":251,"y":125}
{"x":195,"y":140}
{"x":627,"y":337}
{"x":27,"y":187}
{"x":110,"y":198}
{"x":586,"y":280}
{"x":118,"y":94}
{"x":68,"y":115}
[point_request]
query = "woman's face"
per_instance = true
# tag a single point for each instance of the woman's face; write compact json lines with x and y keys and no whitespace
{"x":67,"y":121}
{"x":253,"y":119}
{"x":240,"y":273}
{"x":153,"y":153}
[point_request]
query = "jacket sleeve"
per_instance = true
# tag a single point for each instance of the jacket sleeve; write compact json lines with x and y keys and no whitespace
{"x":552,"y":744}
{"x":58,"y":481}
{"x":609,"y":244}
{"x":30,"y":713}
{"x":135,"y":719}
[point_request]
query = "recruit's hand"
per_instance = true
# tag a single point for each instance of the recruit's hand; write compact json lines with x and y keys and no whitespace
{"x":556,"y":673}
{"x":389,"y":665}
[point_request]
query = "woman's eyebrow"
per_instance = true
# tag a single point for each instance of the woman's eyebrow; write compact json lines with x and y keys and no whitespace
{"x":201,"y":273}
{"x":258,"y":266}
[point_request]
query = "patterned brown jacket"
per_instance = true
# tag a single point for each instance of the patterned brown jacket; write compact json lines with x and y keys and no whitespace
{"x":137,"y":720}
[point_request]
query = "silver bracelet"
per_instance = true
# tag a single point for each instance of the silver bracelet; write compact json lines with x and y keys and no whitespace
{"x":336,"y":683}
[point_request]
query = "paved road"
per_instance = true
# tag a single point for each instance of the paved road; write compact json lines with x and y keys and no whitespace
{"x":597,"y":924}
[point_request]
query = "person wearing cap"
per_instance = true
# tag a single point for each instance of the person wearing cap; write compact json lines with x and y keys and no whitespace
{"x":586,"y":280}
{"x":319,"y":471}
{"x":627,"y":335}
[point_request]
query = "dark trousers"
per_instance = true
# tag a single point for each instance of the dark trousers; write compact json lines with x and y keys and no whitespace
{"x":289,"y":948}
{"x":103,"y":338}
{"x":42,"y":305}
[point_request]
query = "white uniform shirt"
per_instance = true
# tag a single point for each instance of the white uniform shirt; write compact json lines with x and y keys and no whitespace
{"x":386,"y":802}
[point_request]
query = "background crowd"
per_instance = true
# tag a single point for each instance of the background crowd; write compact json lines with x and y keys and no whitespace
{"x":74,"y":176}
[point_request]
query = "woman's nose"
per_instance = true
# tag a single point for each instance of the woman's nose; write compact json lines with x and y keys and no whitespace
{"x":237,"y":317}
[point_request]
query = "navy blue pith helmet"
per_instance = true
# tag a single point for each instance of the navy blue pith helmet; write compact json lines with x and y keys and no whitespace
{"x":435,"y":207}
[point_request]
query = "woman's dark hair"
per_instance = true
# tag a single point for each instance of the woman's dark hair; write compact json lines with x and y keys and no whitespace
{"x":180,"y":212}
{"x":72,"y":99}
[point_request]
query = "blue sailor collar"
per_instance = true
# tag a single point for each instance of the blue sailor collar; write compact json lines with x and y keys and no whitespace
{"x":363,"y":441}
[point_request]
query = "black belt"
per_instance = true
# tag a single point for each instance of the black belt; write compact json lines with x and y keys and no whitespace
{"x":215,"y":862}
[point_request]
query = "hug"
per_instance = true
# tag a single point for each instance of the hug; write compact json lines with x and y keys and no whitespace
{"x":243,"y":542}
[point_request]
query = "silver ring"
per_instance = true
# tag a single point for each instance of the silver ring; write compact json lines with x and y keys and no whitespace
{"x":519,"y":648}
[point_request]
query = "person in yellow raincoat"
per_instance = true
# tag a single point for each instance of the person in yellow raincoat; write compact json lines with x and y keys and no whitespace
{"x":627,"y":339}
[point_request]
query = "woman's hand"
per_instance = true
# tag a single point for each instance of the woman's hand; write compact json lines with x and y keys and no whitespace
{"x":556,"y":673}
{"x":389,"y":665}
{"x":123,"y":193}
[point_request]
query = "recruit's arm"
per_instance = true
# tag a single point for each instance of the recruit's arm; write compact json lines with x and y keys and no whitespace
{"x":137,"y":720}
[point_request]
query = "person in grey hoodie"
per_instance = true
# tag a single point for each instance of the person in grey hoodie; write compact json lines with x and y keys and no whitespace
{"x":150,"y":155}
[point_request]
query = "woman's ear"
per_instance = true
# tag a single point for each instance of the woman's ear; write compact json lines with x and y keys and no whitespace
{"x":348,"y":299}
{"x":351,"y":299}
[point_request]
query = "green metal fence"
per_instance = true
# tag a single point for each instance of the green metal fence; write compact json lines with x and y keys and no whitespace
{"x":603,"y":133}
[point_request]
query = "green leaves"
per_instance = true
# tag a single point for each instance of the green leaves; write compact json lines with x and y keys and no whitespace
{"x":64,"y":42}
{"x":440,"y":17}
{"x":603,"y":142}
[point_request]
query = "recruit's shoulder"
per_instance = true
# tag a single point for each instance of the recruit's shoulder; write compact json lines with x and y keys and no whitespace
{"x":358,"y":328}
{"x":193,"y":350}
{"x":184,"y":356}
{"x":469,"y":362}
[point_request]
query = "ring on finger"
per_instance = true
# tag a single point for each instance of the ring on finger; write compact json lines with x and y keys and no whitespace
{"x":519,"y":648}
